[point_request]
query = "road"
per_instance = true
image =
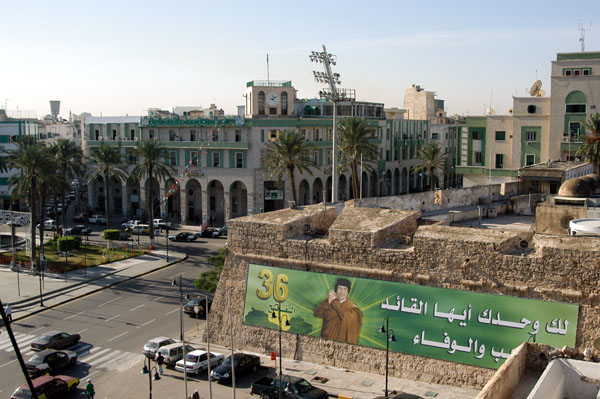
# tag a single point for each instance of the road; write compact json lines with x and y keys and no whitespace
{"x":114,"y":324}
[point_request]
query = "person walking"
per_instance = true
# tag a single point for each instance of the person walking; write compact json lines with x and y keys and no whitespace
{"x":159,"y":361}
{"x":89,"y":389}
{"x":9,"y":312}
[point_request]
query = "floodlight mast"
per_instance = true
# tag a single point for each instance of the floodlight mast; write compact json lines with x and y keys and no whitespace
{"x":333,"y":95}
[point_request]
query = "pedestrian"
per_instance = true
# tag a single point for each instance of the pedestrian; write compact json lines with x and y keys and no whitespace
{"x":89,"y":389}
{"x":159,"y":361}
{"x":9,"y":312}
{"x":195,"y":395}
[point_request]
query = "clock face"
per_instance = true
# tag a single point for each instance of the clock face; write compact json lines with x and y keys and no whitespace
{"x":273,"y":99}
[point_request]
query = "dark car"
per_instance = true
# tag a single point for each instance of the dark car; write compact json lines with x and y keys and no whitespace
{"x":223,"y":231}
{"x":78,"y":230}
{"x":183,"y":236}
{"x":200,"y":302}
{"x":243,"y":363}
{"x":79,"y":218}
{"x":49,"y":361}
{"x":208,"y":232}
{"x":47,"y":387}
{"x":54,"y":340}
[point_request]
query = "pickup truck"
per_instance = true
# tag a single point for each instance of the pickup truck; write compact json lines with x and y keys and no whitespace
{"x":293,"y":388}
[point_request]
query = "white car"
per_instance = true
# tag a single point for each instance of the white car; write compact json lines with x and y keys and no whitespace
{"x":197,"y":361}
{"x":97,"y":219}
{"x":130,"y":224}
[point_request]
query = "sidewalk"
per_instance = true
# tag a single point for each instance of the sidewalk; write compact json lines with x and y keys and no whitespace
{"x":22,"y":289}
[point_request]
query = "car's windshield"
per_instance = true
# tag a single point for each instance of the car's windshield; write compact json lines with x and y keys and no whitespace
{"x":44,"y":339}
{"x":192,"y":358}
{"x":227,"y":362}
{"x":303,"y":385}
{"x":21,"y":393}
{"x":152,"y":345}
{"x":37,"y":359}
{"x":194,"y":302}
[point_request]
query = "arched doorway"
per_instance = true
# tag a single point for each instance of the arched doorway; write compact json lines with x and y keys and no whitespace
{"x":173,"y":206}
{"x":373,"y":184}
{"x":388,"y":182}
{"x":351,"y":189}
{"x":216,"y":204}
{"x":396,"y":182}
{"x":133,"y":198}
{"x":365,"y":185}
{"x":404,"y":180}
{"x":238,"y":198}
{"x":329,"y":189}
{"x":153,"y":190}
{"x":342,"y":188}
{"x":193,"y":202}
{"x":317,"y":191}
{"x":304,"y":193}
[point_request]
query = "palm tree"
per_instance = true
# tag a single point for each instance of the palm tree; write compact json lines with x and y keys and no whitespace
{"x":152,"y":155}
{"x":289,"y":152}
{"x":432,"y":159}
{"x":32,"y":159}
{"x":107,"y":160}
{"x":590,"y":149}
{"x":354,"y":140}
{"x":70,"y":165}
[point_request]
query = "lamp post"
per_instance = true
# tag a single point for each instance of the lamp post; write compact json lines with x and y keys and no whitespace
{"x":167,"y":241}
{"x":148,"y":370}
{"x":181,"y":336}
{"x":389,"y":337}
{"x":335,"y":95}
{"x":278,"y":315}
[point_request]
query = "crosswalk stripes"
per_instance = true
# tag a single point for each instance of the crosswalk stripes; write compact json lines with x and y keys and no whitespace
{"x":88,"y":355}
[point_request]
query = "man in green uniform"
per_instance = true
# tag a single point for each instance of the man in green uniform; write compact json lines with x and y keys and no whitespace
{"x":342,"y":319}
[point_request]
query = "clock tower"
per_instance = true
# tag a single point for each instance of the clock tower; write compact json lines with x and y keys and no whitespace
{"x":269,"y":99}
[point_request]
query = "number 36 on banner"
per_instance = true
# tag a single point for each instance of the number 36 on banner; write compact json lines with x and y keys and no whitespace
{"x":278,"y":289}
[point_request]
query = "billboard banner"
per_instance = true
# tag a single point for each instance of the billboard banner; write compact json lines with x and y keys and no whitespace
{"x":459,"y":326}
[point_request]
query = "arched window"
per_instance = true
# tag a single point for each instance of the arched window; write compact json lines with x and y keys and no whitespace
{"x":284,"y":103}
{"x":575,"y":103}
{"x":261,"y":102}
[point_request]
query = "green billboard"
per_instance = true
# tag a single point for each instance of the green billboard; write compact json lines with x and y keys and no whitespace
{"x":459,"y":326}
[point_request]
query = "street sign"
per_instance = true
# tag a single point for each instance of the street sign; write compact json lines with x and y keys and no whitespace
{"x":196,"y":309}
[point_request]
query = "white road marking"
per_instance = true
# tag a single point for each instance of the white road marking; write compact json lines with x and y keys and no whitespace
{"x":37,"y":329}
{"x":172,"y":311}
{"x":111,"y":301}
{"x":146,"y":323}
{"x":132,"y":360}
{"x":112,"y":318}
{"x":137,"y":307}
{"x":74,"y":315}
{"x":6,"y":364}
{"x":8,"y":343}
{"x":96,"y":361}
{"x":22,"y":344}
{"x":120,"y":335}
{"x":82,"y":331}
{"x":103,"y":351}
{"x":87,"y":353}
{"x":156,"y":299}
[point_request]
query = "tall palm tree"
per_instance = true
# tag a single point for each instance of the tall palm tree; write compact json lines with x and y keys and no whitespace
{"x":432,"y":159}
{"x":107,"y":163}
{"x":286,"y":154}
{"x":590,"y":149}
{"x":70,"y":166}
{"x":354,"y":140}
{"x":151,"y":164}
{"x":32,"y":159}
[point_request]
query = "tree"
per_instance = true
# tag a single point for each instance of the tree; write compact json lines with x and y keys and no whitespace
{"x":151,"y":163}
{"x":70,"y":161}
{"x":590,"y":149}
{"x":354,"y":140}
{"x":33,"y":160}
{"x":432,"y":159}
{"x":286,"y":154}
{"x":209,"y":280}
{"x":107,"y":163}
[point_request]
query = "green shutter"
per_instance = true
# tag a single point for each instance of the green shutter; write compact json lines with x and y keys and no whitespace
{"x":231,"y":155}
{"x":262,"y":136}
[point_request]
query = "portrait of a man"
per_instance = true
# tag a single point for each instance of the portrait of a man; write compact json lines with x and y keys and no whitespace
{"x":342,"y":319}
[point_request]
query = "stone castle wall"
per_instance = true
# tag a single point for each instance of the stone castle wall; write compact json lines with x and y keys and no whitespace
{"x":487,"y":261}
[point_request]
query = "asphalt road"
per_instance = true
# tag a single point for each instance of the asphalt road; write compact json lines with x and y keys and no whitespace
{"x":114,"y":324}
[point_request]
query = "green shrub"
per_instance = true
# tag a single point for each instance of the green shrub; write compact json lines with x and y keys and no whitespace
{"x":111,"y":234}
{"x":65,"y":244}
{"x":78,"y":240}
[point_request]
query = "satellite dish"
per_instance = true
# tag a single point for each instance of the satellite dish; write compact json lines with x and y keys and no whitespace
{"x":541,"y":93}
{"x":490,"y":111}
{"x":535,"y":88}
{"x":597,"y":343}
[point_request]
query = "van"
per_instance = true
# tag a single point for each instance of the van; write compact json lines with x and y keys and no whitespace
{"x":172,"y":353}
{"x":154,"y":344}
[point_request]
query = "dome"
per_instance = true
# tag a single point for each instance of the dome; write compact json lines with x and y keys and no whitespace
{"x":591,"y":180}
{"x":576,"y":187}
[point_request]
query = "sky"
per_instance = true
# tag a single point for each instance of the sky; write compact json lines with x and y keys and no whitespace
{"x":115,"y":58}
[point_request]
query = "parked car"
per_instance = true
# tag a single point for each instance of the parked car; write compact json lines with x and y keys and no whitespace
{"x":54,"y":340}
{"x":78,"y":230}
{"x":49,"y":361}
{"x":130,"y":223}
{"x":401,"y":395}
{"x":173,"y":352}
{"x":222,"y":231}
{"x":161,"y":224}
{"x":208,"y":232}
{"x":188,"y":308}
{"x":152,"y":346}
{"x":124,"y":234}
{"x":183,"y":236}
{"x":243,"y":363}
{"x":293,"y":388}
{"x":47,"y":387}
{"x":143,"y":229}
{"x":97,"y":219}
{"x":197,"y":361}
{"x":49,"y":224}
{"x":79,"y":218}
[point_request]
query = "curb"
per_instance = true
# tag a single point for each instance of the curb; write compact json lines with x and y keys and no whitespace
{"x":97,"y":289}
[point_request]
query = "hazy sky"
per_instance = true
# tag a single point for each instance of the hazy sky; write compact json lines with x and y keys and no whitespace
{"x":122,"y":57}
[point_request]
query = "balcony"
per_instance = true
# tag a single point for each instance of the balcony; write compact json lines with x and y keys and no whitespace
{"x":213,"y":145}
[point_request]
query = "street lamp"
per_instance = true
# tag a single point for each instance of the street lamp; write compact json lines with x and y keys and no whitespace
{"x":148,"y":370}
{"x":167,"y":241}
{"x":181,"y":336}
{"x":389,"y":337}
{"x":335,"y":95}
{"x":287,"y":323}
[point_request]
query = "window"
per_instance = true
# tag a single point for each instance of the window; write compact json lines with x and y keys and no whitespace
{"x":272,"y":111}
{"x":574,"y":129}
{"x":97,"y":134}
{"x":500,"y":135}
{"x":478,"y":157}
{"x":586,"y":72}
{"x":151,"y":134}
{"x":132,"y":134}
{"x":529,"y":159}
{"x":284,"y":103}
{"x":531,"y":109}
{"x":476,"y":135}
{"x":261,"y":102}
{"x":172,"y":158}
{"x":577,"y":72}
{"x":131,"y":158}
{"x":238,"y":136}
{"x":434,"y":136}
{"x":192,"y":135}
{"x":216,"y":157}
{"x":567,"y":72}
{"x":499,"y":161}
{"x":239,"y":160}
{"x":329,"y":157}
{"x":172,"y":135}
{"x":316,"y":157}
{"x":194,"y":159}
{"x":215,"y":134}
{"x":272,"y":135}
{"x":575,"y":108}
{"x":114,"y":134}
{"x":530,"y":136}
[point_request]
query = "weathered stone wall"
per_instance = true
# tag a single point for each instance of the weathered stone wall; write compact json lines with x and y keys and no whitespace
{"x":554,"y":219}
{"x":487,"y":261}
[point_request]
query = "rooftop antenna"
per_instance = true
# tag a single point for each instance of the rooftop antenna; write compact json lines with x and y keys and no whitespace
{"x":582,"y":37}
{"x":268,"y":80}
